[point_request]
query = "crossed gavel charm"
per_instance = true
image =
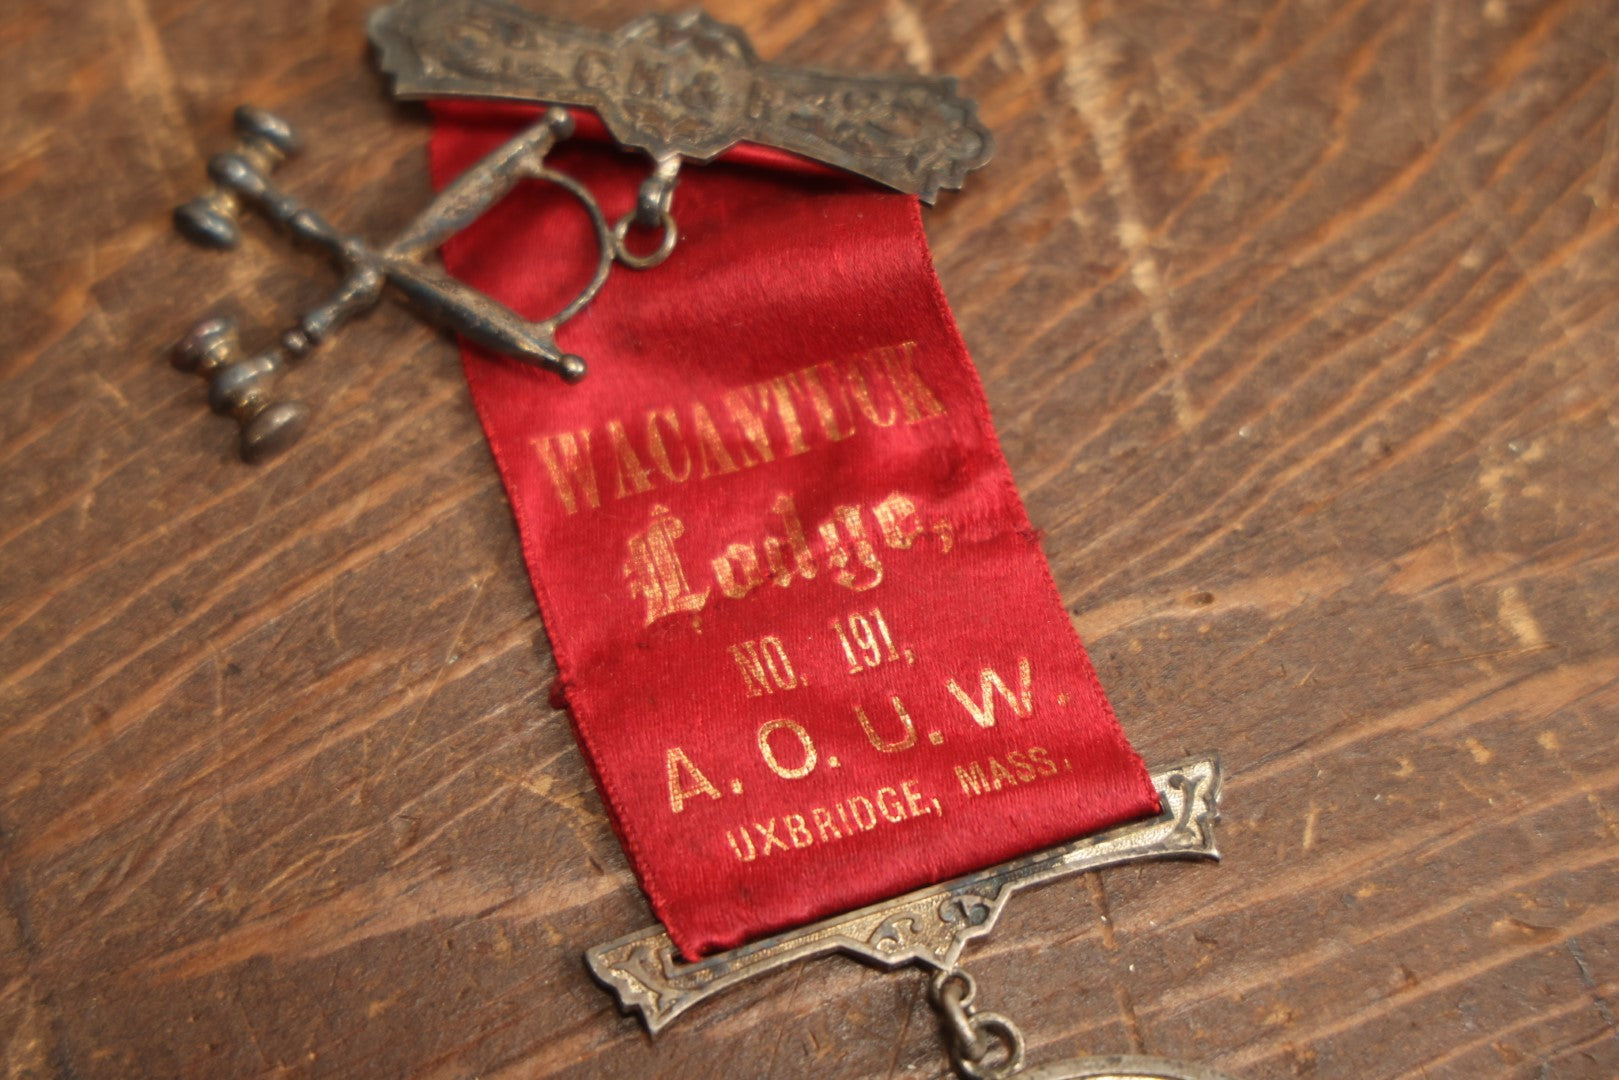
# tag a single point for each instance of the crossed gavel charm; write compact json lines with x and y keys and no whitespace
{"x":241,"y":385}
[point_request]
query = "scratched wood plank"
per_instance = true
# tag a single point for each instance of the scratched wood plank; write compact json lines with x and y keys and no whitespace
{"x":1297,"y":322}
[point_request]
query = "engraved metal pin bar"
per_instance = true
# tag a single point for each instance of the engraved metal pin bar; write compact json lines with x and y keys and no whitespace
{"x":686,"y":86}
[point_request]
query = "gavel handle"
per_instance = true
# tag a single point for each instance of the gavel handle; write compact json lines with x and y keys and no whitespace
{"x":477,"y":316}
{"x":235,"y":172}
{"x":464,"y":199}
{"x":448,"y":303}
{"x":443,"y":299}
{"x":360,"y":291}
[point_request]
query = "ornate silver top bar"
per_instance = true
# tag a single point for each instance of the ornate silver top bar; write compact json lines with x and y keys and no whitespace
{"x":686,"y":86}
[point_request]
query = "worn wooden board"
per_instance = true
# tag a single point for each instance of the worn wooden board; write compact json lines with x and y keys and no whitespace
{"x":1298,"y":322}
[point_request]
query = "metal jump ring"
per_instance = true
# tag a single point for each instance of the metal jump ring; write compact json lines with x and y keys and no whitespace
{"x":644,"y":262}
{"x":952,"y":993}
{"x":991,"y":1029}
{"x":974,"y":1035}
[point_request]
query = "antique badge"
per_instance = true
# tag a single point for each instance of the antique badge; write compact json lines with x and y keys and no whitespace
{"x":810,"y":646}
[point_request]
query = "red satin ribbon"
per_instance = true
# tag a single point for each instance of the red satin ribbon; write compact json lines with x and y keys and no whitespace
{"x":811,"y":648}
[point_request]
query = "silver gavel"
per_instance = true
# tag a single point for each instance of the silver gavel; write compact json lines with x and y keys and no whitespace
{"x":240,"y":385}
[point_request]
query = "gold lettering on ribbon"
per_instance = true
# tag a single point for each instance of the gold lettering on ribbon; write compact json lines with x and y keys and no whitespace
{"x":659,"y":452}
{"x":861,"y":392}
{"x":741,"y":428}
{"x":751,"y":425}
{"x":788,"y":556}
{"x":845,"y":546}
{"x":738,"y":571}
{"x":1021,"y":767}
{"x":884,"y":746}
{"x":776,"y":662}
{"x":991,"y":684}
{"x":806,"y":744}
{"x":916,"y":397}
{"x":847,"y":817}
{"x":737,"y":848}
{"x":797,"y":831}
{"x":824,"y":825}
{"x":898,"y":520}
{"x":712,"y":457}
{"x":695,"y":783}
{"x":764,"y":665}
{"x":630,"y":477}
{"x":777,"y":394}
{"x":767,"y":836}
{"x":569,"y":469}
{"x":825,"y":408}
{"x":837,"y":553}
{"x":654,"y":570}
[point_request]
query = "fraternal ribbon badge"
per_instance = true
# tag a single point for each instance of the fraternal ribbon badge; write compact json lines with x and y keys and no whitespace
{"x":813,"y":654}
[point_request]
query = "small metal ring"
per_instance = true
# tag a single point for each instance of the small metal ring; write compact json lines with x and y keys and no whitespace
{"x":939,"y":989}
{"x":990,"y":1029}
{"x":952,"y":993}
{"x":644,"y":262}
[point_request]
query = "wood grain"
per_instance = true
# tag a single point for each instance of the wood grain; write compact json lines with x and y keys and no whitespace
{"x":1297,"y":319}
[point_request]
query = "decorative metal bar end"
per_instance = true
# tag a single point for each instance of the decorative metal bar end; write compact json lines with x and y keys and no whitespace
{"x":928,"y":927}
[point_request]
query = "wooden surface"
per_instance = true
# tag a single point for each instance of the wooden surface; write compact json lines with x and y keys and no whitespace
{"x":1298,"y":320}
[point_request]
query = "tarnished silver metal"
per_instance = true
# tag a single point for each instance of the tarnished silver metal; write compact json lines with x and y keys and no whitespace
{"x":657,"y":192}
{"x":929,"y":928}
{"x":240,"y":387}
{"x":1122,"y":1067}
{"x":983,"y":1045}
{"x":210,"y":219}
{"x":241,"y":180}
{"x":666,"y":241}
{"x":686,"y":86}
{"x":679,"y":87}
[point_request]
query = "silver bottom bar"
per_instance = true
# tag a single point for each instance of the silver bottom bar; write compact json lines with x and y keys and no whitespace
{"x":928,"y":927}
